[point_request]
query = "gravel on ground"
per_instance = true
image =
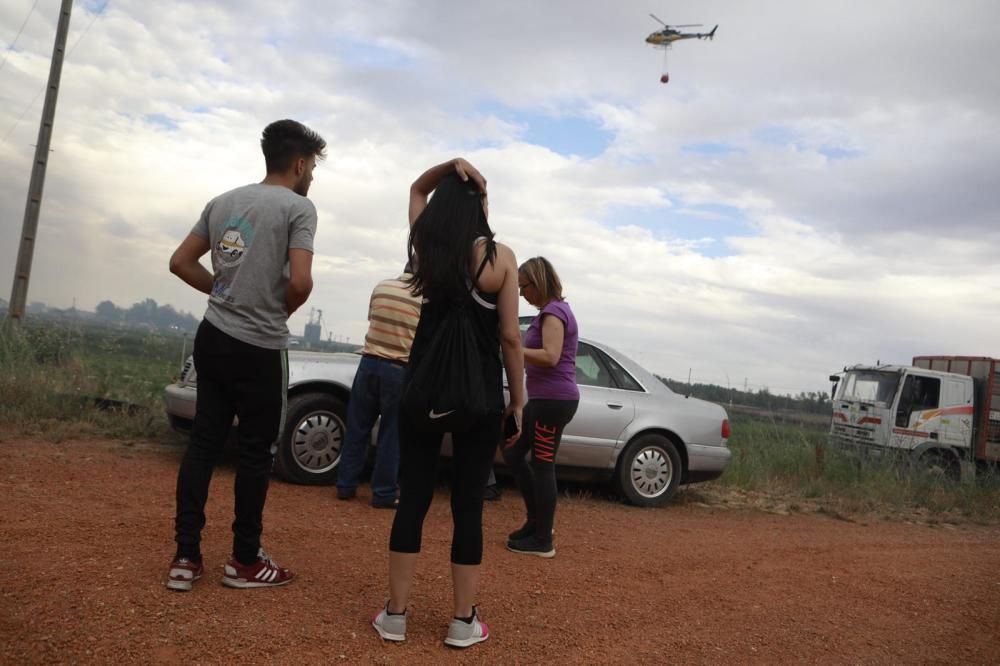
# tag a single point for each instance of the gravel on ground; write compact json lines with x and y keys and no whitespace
{"x":87,"y":534}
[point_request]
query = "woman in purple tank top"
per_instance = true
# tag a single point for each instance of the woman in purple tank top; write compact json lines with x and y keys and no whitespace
{"x":553,"y":396}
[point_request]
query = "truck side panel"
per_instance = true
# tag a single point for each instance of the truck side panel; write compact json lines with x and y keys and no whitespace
{"x":991,"y":447}
{"x":986,"y":372}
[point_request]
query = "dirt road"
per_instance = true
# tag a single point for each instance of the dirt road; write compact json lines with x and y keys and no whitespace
{"x":87,"y":536}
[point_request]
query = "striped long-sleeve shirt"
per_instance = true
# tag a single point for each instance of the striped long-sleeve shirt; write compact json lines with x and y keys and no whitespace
{"x":393,"y":313}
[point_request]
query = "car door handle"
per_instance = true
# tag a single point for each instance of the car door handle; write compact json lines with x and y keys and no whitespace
{"x":615,"y":405}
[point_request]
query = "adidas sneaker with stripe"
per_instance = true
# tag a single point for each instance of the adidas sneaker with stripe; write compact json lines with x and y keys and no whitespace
{"x":462,"y":634}
{"x":183,"y":573}
{"x":262,"y":573}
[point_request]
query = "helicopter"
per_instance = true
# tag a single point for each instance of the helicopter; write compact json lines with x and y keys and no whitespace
{"x":664,"y":39}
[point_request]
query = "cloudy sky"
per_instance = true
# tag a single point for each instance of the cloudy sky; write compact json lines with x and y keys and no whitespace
{"x":817,"y":186}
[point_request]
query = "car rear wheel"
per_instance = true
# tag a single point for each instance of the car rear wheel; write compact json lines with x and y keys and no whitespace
{"x":649,"y":471}
{"x":309,"y":450}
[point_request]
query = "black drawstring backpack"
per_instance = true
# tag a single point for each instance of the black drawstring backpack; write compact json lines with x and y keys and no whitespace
{"x":447,"y":389}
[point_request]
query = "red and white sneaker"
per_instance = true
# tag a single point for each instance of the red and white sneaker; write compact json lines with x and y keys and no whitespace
{"x":262,"y":573}
{"x":183,"y":573}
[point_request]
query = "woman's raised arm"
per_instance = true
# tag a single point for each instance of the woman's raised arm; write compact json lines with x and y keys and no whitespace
{"x":428,"y":181}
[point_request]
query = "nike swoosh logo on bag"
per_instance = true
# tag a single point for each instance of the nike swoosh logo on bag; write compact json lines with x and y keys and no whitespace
{"x":436,"y":415}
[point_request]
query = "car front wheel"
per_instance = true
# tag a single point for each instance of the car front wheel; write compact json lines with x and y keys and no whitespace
{"x":649,"y":471}
{"x":309,"y":450}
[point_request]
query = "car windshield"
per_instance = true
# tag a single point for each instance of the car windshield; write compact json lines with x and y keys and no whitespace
{"x":868,"y":386}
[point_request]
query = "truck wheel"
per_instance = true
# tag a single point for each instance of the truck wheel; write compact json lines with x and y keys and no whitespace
{"x":942,"y":464}
{"x":649,"y":471}
{"x":309,"y":450}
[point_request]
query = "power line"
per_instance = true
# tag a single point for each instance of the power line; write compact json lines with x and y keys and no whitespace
{"x":42,"y":89}
{"x":85,"y":30}
{"x":20,"y":30}
{"x":20,"y":117}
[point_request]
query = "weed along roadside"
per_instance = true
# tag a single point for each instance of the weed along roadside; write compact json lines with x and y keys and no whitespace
{"x":780,"y":459}
{"x":55,"y":376}
{"x":61,"y":380}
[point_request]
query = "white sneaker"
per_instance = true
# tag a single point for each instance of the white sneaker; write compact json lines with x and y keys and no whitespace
{"x":390,"y":627}
{"x":464,"y":634}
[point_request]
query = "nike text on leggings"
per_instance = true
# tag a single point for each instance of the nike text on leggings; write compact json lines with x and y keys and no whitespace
{"x":544,"y":422}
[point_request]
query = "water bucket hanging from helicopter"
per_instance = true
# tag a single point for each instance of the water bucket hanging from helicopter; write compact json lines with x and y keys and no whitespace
{"x":665,"y":77}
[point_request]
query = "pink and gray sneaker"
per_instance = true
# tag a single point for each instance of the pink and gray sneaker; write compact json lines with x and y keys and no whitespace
{"x":464,"y":634}
{"x":390,"y":627}
{"x":262,"y":573}
{"x":183,"y":573}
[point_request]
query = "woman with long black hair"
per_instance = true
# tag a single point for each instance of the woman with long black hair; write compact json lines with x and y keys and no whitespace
{"x":453,"y":253}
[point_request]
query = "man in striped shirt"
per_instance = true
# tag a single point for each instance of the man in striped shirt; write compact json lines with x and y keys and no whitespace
{"x":393,"y":313}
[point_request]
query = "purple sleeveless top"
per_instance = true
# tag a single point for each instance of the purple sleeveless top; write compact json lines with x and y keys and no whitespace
{"x":559,"y":382}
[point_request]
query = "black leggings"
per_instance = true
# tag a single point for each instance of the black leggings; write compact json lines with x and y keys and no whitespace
{"x":472,"y":458}
{"x":544,"y":422}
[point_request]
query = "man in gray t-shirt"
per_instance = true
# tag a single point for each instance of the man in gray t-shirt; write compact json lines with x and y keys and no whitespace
{"x":261,"y":240}
{"x":250,"y":231}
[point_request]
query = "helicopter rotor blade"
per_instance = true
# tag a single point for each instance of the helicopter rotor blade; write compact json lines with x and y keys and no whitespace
{"x":688,"y":25}
{"x":659,"y":21}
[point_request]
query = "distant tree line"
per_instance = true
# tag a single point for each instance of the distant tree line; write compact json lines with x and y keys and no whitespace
{"x":147,"y":313}
{"x":812,"y":402}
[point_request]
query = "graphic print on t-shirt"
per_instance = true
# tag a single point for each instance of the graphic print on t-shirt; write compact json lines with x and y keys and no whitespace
{"x":237,"y":237}
{"x":229,"y":252}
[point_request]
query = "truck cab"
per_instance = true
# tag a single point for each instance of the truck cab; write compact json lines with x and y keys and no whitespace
{"x":942,"y":409}
{"x":903,"y":408}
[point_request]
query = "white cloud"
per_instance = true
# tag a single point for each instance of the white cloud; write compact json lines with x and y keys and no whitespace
{"x":864,"y":142}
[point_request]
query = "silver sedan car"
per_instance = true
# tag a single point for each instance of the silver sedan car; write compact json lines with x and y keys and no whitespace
{"x":630,"y":429}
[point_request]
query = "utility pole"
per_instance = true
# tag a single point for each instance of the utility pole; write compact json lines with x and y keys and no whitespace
{"x":29,"y":230}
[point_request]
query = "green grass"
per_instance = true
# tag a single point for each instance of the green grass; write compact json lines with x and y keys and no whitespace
{"x":51,"y":373}
{"x":791,"y":459}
